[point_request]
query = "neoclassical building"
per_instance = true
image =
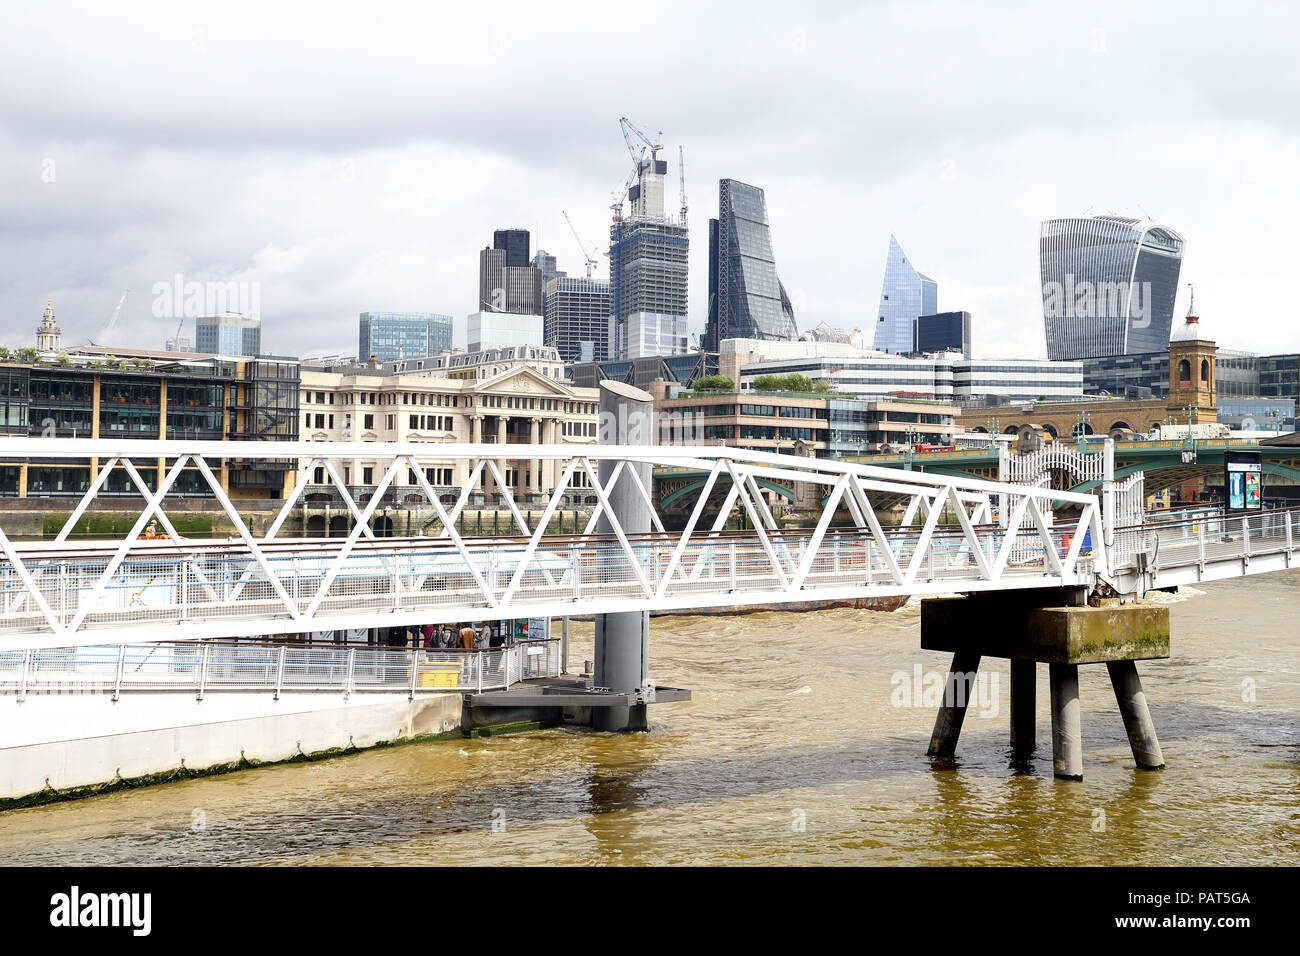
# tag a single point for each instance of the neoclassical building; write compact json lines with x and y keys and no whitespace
{"x":518,"y":406}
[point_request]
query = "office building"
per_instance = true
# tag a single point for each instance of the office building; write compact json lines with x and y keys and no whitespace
{"x":140,"y":394}
{"x":576,"y":316}
{"x":507,"y":280}
{"x":514,"y":243}
{"x":645,"y":334}
{"x":495,"y":330}
{"x":1279,"y":376}
{"x":228,"y":334}
{"x":905,"y":296}
{"x":684,"y":370}
{"x":943,"y":376}
{"x":943,"y":332}
{"x":820,"y":426}
{"x":1108,"y":285}
{"x":546,"y":264}
{"x":648,"y":271}
{"x":746,"y":298}
{"x":388,"y":336}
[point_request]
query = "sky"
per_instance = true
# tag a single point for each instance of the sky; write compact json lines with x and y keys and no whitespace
{"x":341,"y":158}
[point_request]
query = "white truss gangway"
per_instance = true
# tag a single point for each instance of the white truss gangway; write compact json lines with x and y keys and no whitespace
{"x":961,"y":535}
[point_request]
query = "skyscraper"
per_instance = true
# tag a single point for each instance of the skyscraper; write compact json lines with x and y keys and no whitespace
{"x":515,"y":244}
{"x":389,"y":336}
{"x":746,"y":298}
{"x":1108,"y":285}
{"x":943,"y":332}
{"x":648,"y":271}
{"x":228,"y":334}
{"x":905,"y":296}
{"x":577,"y":318}
{"x":507,"y":281}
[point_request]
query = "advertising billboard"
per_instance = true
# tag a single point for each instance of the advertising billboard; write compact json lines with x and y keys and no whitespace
{"x":1243,"y":480}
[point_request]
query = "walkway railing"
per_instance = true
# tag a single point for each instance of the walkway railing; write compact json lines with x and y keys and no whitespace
{"x":208,"y":667}
{"x":1202,"y":539}
{"x":60,"y":593}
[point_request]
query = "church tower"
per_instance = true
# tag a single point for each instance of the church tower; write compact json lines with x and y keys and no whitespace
{"x":1191,"y":368}
{"x":48,"y":336}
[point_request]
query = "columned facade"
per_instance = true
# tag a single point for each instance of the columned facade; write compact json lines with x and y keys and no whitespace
{"x":521,"y":406}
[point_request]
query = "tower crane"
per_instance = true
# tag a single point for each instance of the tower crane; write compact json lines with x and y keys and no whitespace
{"x":112,"y":321}
{"x":632,"y":131}
{"x":681,"y":172}
{"x":591,"y":262}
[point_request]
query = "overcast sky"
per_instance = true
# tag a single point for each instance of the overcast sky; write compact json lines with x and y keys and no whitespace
{"x":350,"y":157}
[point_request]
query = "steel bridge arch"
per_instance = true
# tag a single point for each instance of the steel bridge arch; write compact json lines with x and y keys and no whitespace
{"x":695,"y":484}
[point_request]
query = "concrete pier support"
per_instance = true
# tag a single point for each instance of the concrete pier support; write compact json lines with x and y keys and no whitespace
{"x":1024,"y":701}
{"x":1133,"y":708}
{"x":1054,"y":627}
{"x":1067,"y":736}
{"x":956,"y":697}
{"x":623,"y":640}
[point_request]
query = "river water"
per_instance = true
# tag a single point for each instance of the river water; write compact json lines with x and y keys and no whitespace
{"x":804,"y":743}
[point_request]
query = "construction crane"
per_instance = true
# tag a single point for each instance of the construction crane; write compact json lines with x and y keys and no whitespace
{"x":631,"y":131}
{"x":578,"y":239}
{"x":681,"y":172}
{"x":112,"y":321}
{"x":176,"y":341}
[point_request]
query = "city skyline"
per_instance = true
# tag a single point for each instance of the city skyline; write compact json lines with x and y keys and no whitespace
{"x":347,"y":211}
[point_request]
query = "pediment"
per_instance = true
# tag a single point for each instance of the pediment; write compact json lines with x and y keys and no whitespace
{"x":523,"y":381}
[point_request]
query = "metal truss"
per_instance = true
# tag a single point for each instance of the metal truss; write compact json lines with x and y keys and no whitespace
{"x":958,"y":534}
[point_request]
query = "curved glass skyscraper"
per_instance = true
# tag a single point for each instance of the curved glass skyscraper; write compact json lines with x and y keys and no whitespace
{"x":746,"y":299}
{"x":1109,"y":284}
{"x":905,"y":296}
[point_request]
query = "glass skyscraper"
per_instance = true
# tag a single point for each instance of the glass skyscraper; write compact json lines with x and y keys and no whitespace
{"x":1108,"y":285}
{"x":389,"y":336}
{"x":228,"y":334}
{"x":577,"y":318}
{"x":905,"y":296}
{"x":746,"y":298}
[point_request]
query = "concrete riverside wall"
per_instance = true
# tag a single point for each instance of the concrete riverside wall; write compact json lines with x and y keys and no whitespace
{"x":77,"y":740}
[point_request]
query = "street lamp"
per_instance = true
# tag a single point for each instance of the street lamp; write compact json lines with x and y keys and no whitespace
{"x":1189,"y":410}
{"x":1081,"y":427}
{"x":994,"y":424}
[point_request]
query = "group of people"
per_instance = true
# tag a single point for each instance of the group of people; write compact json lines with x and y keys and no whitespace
{"x":457,"y":637}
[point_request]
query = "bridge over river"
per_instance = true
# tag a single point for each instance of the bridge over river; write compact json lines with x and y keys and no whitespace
{"x":1013,"y":548}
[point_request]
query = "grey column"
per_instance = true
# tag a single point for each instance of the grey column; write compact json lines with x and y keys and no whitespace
{"x":564,"y":644}
{"x":623,"y":640}
{"x":1023,"y":702}
{"x":1137,"y":716}
{"x":952,"y":711}
{"x":1067,"y":740}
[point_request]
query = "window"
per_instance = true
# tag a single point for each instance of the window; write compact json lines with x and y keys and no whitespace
{"x":368,"y":422}
{"x":367,"y":475}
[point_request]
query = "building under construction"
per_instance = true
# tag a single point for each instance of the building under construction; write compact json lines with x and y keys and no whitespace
{"x":648,"y":253}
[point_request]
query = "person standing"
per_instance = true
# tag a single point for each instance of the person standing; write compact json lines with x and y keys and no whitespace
{"x":485,"y":635}
{"x":466,"y":638}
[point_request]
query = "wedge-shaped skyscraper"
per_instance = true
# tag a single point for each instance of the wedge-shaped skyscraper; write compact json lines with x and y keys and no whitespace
{"x":746,"y":299}
{"x":1109,"y":285}
{"x":905,"y":296}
